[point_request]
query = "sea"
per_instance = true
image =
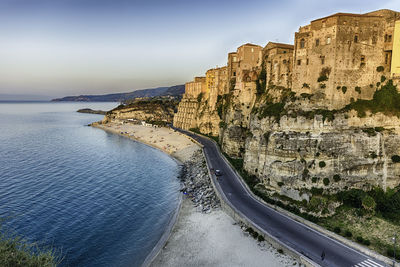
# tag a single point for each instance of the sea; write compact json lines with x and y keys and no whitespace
{"x":95,"y":198}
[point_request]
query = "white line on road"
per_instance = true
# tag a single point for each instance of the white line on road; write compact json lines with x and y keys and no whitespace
{"x":368,"y":263}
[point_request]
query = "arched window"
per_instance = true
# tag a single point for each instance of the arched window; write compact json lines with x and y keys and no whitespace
{"x":302,"y":43}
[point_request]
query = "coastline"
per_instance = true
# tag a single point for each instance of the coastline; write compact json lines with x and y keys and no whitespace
{"x":198,"y":233}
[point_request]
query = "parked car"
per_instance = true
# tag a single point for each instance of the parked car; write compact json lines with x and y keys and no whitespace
{"x":218,"y":172}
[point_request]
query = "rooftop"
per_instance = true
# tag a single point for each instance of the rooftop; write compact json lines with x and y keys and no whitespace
{"x":347,"y":15}
{"x":272,"y":45}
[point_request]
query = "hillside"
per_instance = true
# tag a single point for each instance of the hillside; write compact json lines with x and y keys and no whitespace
{"x":176,"y":90}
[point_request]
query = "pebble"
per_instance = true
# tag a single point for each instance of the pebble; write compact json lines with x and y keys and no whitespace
{"x":197,"y":185}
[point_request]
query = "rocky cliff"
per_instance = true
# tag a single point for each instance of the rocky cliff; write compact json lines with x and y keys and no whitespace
{"x":291,"y":146}
{"x":152,"y":110}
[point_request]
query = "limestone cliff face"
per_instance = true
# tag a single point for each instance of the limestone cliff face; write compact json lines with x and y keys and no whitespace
{"x":298,"y":153}
{"x":151,"y":110}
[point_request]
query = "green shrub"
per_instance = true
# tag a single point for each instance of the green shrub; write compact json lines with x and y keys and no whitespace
{"x":385,"y":100}
{"x":383,"y":78}
{"x":337,"y":230}
{"x":366,"y":242}
{"x":317,"y":203}
{"x":380,"y":68}
{"x":344,"y":89}
{"x":272,"y":110}
{"x":358,"y":89}
{"x":348,"y":233}
{"x":336,"y":177}
{"x":369,"y":131}
{"x":305,"y":95}
{"x":322,"y":78}
{"x":314,"y":179}
{"x":280,"y":251}
{"x":322,"y":164}
{"x":280,"y":184}
{"x":338,"y":87}
{"x":200,"y":97}
{"x":14,"y":251}
{"x":222,"y":124}
{"x":322,"y":85}
{"x":396,"y":158}
{"x":360,"y":239}
{"x":326,"y":181}
{"x":373,"y":155}
{"x":368,"y":203}
{"x":352,"y":198}
{"x":316,"y":191}
{"x":306,"y":85}
{"x":260,"y":238}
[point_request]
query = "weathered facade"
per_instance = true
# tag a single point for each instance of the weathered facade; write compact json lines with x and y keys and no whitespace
{"x":290,"y":129}
{"x":278,"y":64}
{"x":342,"y":57}
{"x":186,"y":116}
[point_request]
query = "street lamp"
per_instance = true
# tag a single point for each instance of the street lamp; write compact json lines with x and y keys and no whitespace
{"x":394,"y":250}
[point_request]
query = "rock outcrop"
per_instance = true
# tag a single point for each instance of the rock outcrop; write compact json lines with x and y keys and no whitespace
{"x":152,"y":110}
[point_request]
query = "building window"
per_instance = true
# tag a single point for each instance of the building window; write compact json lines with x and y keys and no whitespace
{"x":284,"y":61}
{"x":284,"y":51}
{"x":389,"y":38}
{"x":386,"y":58}
{"x":362,"y":59}
{"x":252,"y":50}
{"x":328,"y":40}
{"x":299,"y":62}
{"x":386,"y":37}
{"x":307,"y":61}
{"x":234,"y":59}
{"x":234,"y":73}
{"x":302,"y":43}
{"x":374,"y":38}
{"x":322,"y":60}
{"x":317,"y":42}
{"x":356,"y":38}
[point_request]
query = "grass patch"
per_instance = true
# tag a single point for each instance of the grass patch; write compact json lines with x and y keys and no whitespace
{"x":16,"y":252}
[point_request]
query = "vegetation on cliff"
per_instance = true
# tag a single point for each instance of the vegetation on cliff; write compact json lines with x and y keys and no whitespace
{"x":17,"y":252}
{"x":385,"y":100}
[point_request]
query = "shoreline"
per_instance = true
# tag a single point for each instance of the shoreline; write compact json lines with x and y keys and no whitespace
{"x":177,"y":213}
{"x":200,"y":232}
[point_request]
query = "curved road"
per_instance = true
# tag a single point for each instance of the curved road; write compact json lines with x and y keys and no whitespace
{"x":296,"y":235}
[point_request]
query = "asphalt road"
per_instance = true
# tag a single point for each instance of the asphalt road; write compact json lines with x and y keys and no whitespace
{"x":296,"y":235}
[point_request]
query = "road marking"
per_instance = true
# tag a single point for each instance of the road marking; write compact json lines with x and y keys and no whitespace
{"x":368,"y":263}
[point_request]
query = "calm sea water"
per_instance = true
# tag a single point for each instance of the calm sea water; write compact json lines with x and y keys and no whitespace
{"x":98,"y":198}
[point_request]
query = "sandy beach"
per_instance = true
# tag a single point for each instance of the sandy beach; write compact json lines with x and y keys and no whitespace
{"x":200,"y":238}
{"x":215,"y":239}
{"x":165,"y":139}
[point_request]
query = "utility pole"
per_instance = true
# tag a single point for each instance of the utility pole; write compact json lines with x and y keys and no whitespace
{"x":394,"y":250}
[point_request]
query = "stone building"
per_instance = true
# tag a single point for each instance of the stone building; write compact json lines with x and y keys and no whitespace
{"x":186,"y":116}
{"x":342,"y":57}
{"x":216,"y":84}
{"x":233,"y":63}
{"x":278,"y":63}
{"x":249,"y":61}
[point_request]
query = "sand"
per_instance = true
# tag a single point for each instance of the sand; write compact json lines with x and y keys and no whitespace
{"x":171,"y":142}
{"x":200,"y":239}
{"x":214,"y":239}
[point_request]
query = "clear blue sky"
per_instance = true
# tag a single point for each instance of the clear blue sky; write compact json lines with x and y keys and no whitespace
{"x":68,"y":47}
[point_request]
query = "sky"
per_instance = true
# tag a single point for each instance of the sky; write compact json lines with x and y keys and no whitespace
{"x":54,"y":48}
